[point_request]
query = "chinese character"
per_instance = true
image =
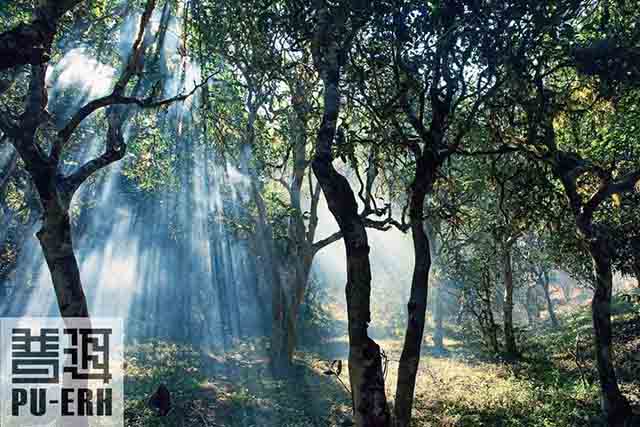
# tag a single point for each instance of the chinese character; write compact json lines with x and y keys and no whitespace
{"x":89,"y":352}
{"x":35,"y":365}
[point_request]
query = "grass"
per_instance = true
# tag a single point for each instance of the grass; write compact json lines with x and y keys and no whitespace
{"x":553,"y":384}
{"x":231,"y":389}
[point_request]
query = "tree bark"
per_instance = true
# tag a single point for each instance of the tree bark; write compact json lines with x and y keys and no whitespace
{"x":417,"y":306}
{"x":57,"y":246}
{"x":547,"y":296}
{"x":287,"y":302}
{"x":365,"y":359}
{"x":509,"y":336}
{"x":614,"y":405}
{"x":300,"y":252}
{"x":27,"y":43}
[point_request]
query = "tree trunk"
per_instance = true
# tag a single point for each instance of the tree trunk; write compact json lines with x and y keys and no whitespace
{"x":438,"y":332}
{"x":531,"y":306}
{"x":55,"y":240}
{"x":614,"y":405}
{"x":547,"y":296}
{"x":417,"y":306}
{"x":486,"y":318}
{"x":299,"y":250}
{"x":365,"y":360}
{"x":57,"y":246}
{"x":300,"y":288}
{"x":492,"y":330}
{"x":287,"y":302}
{"x":280,"y":360}
{"x":509,"y":336}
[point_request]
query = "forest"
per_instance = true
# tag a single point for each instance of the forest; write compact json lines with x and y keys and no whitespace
{"x":371,"y":213}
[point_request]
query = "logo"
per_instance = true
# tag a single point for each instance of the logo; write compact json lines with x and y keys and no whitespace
{"x":61,"y":372}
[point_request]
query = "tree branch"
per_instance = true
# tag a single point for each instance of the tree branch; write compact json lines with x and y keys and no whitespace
{"x":27,"y":43}
{"x":626,"y":184}
{"x":113,"y":99}
{"x":114,"y":151}
{"x":320,"y":244}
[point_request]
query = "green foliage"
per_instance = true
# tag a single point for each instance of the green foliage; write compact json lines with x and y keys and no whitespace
{"x":15,"y":200}
{"x":152,"y":161}
{"x":316,"y":320}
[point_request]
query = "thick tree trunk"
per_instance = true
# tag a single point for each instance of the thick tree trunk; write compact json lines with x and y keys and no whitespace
{"x":417,"y":306}
{"x":614,"y":405}
{"x":365,"y":359}
{"x":28,"y":43}
{"x":547,"y":296}
{"x":57,"y":246}
{"x":486,"y":318}
{"x":492,"y":329}
{"x":509,"y":336}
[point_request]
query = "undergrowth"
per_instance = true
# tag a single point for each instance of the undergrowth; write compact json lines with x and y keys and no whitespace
{"x":552,"y":384}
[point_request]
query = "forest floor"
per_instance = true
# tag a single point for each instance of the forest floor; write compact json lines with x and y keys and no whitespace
{"x":552,"y":384}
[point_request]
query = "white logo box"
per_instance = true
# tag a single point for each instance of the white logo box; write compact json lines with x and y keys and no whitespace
{"x":32,"y":395}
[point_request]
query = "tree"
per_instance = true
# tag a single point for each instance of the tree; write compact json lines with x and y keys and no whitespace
{"x":335,"y":27}
{"x":55,"y":190}
{"x":428,"y":107}
{"x":559,"y":108}
{"x":539,"y":266}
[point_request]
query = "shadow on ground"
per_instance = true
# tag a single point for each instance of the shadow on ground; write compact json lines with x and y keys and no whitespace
{"x":229,"y":390}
